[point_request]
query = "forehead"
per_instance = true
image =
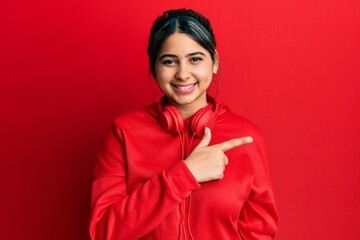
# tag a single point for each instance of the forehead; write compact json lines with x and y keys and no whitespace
{"x":181,"y":44}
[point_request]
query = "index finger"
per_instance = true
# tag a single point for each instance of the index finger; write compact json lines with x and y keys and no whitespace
{"x":233,"y":143}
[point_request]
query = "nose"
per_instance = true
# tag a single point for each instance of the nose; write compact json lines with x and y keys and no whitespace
{"x":183,"y":72}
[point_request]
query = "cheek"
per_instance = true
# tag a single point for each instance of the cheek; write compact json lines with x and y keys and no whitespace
{"x":161,"y":76}
{"x":158,"y":73}
{"x":204,"y":74}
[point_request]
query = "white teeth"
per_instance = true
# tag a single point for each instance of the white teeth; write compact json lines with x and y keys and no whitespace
{"x":185,"y":87}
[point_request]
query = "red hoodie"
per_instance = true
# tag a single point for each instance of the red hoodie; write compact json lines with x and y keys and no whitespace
{"x":144,"y":190}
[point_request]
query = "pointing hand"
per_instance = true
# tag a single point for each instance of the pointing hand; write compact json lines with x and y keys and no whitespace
{"x":208,"y":163}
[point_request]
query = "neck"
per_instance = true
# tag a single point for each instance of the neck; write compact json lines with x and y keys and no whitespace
{"x":187,"y":111}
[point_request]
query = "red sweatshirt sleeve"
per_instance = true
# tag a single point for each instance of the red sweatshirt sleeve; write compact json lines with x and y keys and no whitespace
{"x":258,"y":219}
{"x":119,"y":214}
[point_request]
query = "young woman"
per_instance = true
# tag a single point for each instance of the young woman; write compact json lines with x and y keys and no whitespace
{"x":185,"y":167}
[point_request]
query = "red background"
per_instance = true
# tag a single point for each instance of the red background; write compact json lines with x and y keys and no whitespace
{"x":69,"y":67}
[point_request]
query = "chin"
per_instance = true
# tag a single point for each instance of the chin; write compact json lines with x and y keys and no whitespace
{"x":186,"y":100}
{"x":182,"y":101}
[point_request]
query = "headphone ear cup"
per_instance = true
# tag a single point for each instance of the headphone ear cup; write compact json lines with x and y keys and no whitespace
{"x":204,"y":118}
{"x":171,"y":119}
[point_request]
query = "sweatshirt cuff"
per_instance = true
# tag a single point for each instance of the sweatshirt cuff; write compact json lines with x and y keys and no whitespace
{"x":181,"y":181}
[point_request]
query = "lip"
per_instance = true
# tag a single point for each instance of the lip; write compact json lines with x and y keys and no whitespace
{"x":184,"y":89}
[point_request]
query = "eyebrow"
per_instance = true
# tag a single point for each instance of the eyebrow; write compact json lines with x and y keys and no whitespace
{"x":188,"y":55}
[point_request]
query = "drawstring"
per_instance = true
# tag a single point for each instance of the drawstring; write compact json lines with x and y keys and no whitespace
{"x":182,"y":145}
{"x":183,"y":153}
{"x":188,"y":218}
{"x":182,"y":234}
{"x":181,"y":231}
{"x":189,"y":208}
{"x":191,"y":140}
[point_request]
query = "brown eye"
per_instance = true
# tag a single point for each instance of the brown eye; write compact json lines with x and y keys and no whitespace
{"x":168,"y":62}
{"x":196,"y":59}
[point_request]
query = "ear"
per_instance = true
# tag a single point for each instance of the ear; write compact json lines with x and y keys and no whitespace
{"x":215,"y":62}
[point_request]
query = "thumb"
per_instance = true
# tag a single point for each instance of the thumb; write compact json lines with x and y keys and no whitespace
{"x":205,"y":139}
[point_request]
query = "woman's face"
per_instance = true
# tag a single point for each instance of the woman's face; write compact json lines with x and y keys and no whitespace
{"x":184,"y":71}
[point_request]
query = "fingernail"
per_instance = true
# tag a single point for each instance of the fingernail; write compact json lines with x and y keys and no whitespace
{"x":206,"y":130}
{"x":249,"y":139}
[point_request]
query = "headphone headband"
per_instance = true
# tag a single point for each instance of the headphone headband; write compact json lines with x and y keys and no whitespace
{"x":172,"y":121}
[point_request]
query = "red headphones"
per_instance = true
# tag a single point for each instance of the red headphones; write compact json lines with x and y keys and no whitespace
{"x":172,"y":121}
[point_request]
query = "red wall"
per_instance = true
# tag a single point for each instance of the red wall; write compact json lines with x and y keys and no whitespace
{"x":69,"y":67}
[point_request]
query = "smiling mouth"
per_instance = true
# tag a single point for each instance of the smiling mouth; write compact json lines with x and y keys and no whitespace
{"x":184,"y":87}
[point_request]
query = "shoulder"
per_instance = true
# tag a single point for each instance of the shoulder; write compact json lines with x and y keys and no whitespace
{"x":237,"y":124}
{"x":234,"y":126}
